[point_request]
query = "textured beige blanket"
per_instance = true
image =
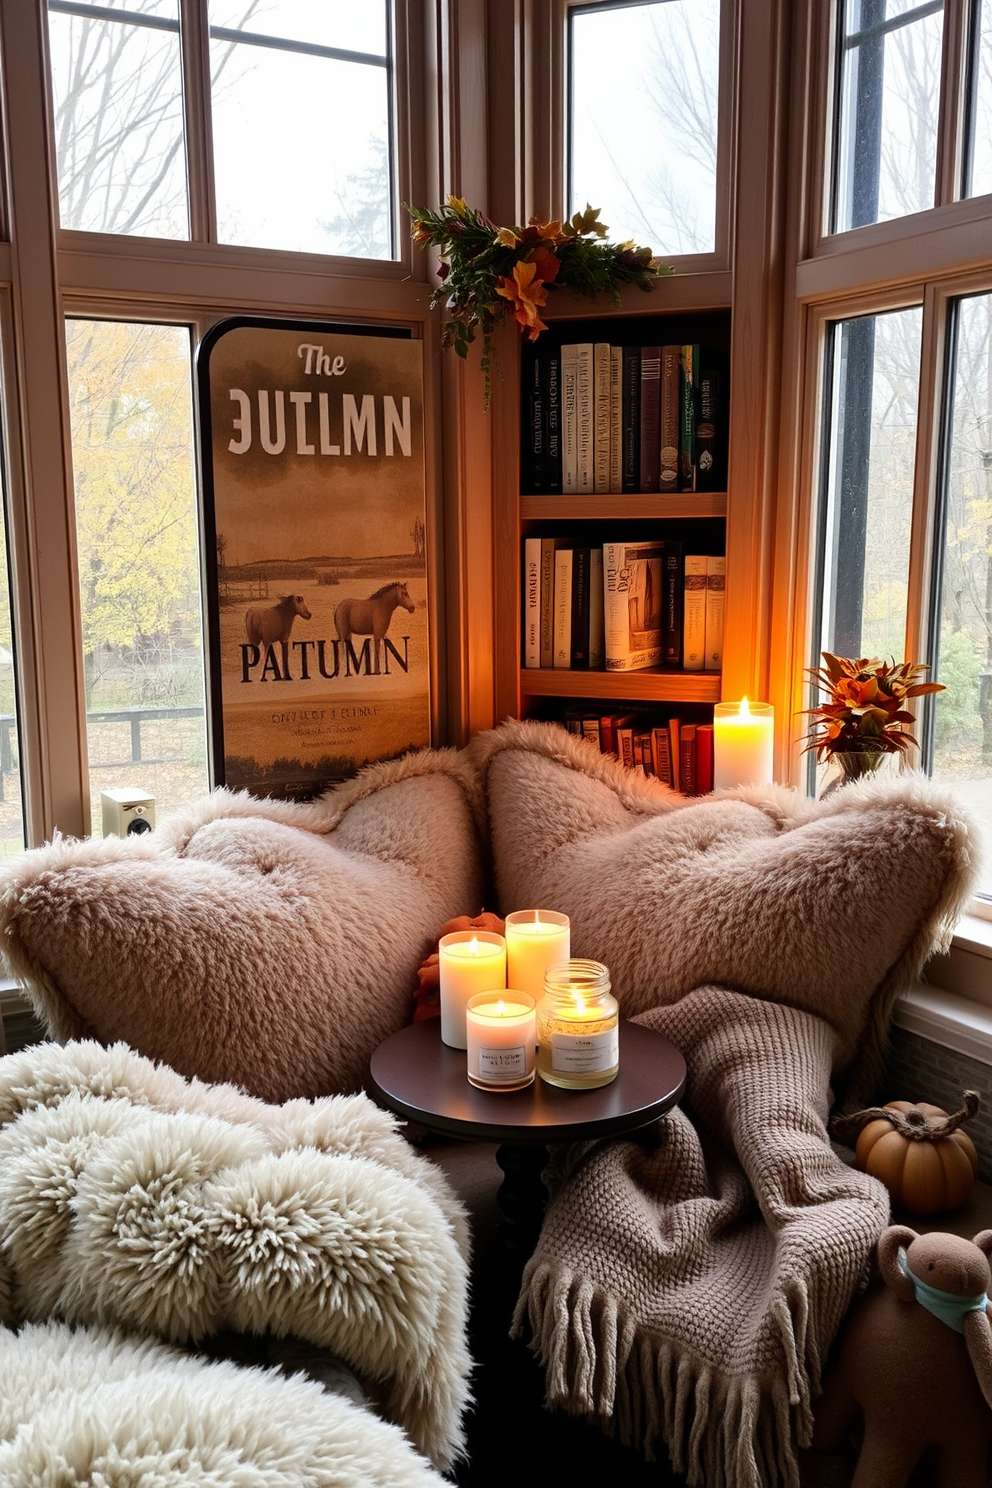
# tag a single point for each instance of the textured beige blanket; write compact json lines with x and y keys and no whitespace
{"x":686,"y":1291}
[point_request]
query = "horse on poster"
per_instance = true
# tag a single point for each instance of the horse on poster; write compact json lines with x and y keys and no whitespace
{"x":372,"y":616}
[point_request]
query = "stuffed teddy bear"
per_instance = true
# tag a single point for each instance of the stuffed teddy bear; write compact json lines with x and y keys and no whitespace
{"x":916,"y":1358}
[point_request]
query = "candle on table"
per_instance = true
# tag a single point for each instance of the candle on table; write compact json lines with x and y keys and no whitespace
{"x":535,"y":940}
{"x":743,"y":744}
{"x":578,"y":1036}
{"x":501,"y":1030}
{"x":469,"y":961}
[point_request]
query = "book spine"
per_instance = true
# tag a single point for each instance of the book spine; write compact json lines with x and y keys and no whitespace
{"x":642,"y":751}
{"x":580,"y":609}
{"x":590,"y":730}
{"x":671,"y":406}
{"x":650,"y":417}
{"x":673,"y":601}
{"x":570,"y":422}
{"x":547,"y":601}
{"x":625,"y":746}
{"x":694,"y":613}
{"x":532,"y":602}
{"x":533,"y":452}
{"x":704,"y":759}
{"x":661,"y":752}
{"x":633,"y":581}
{"x":597,"y":611}
{"x":687,"y":760}
{"x":716,"y":582}
{"x":563,"y":607}
{"x":601,"y":420}
{"x":585,"y":418}
{"x":616,"y":420}
{"x":631,"y":436}
{"x":687,"y":421}
{"x":711,"y":460}
{"x":608,"y":734}
{"x":675,"y":750}
{"x":551,"y":373}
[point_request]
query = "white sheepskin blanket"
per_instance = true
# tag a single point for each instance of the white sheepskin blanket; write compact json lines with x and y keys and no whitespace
{"x":90,"y":1406}
{"x":133,"y":1197}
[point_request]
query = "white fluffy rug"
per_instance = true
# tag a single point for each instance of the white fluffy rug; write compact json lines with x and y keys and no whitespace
{"x":93,"y":1407}
{"x":131,"y":1196}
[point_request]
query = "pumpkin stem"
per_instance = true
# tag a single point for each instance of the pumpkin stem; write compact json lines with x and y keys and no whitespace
{"x":915,"y":1125}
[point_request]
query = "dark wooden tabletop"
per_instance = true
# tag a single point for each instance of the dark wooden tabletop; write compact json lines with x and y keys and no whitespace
{"x":416,"y":1075}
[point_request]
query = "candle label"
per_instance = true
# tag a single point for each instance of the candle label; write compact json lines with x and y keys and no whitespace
{"x":585,"y":1053}
{"x":502,"y":1064}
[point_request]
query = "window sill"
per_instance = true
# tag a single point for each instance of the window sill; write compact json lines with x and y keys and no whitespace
{"x":948,"y":1019}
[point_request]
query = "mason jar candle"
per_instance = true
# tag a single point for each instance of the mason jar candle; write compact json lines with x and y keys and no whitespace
{"x":469,"y":961}
{"x":578,"y":1038}
{"x":501,"y":1034}
{"x":535,"y":940}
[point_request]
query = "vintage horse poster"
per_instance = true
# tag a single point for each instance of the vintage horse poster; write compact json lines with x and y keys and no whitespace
{"x":314,"y":549}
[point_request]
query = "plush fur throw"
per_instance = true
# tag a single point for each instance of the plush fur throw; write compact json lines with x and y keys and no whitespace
{"x":91,"y":1406}
{"x":270,"y":944}
{"x":133,"y":1197}
{"x":830,"y":906}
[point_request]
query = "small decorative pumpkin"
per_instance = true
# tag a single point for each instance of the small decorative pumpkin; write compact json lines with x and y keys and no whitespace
{"x":917,"y":1151}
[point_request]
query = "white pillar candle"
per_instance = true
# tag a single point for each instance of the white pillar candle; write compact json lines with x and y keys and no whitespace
{"x":501,"y":1028}
{"x":469,"y":961}
{"x":535,"y":940}
{"x":743,"y":744}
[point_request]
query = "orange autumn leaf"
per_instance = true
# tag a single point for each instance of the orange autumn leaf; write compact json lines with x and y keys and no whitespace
{"x":545,"y":263}
{"x":526,"y":291}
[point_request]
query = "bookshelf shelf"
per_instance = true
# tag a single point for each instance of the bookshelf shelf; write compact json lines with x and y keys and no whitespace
{"x":651,"y":685}
{"x":688,"y":504}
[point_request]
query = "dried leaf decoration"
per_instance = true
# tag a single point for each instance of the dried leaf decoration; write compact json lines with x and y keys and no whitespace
{"x":866,"y":712}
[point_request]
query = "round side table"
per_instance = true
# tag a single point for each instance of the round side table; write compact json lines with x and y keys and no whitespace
{"x":416,"y":1075}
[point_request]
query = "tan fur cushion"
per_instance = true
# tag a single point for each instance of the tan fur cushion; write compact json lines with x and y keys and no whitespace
{"x":829,"y":906}
{"x":266,"y":943}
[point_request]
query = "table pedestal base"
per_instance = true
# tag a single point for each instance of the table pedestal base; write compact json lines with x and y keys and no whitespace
{"x":522,"y":1195}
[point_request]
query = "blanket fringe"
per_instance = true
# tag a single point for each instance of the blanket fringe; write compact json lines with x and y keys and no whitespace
{"x":720,"y":1431}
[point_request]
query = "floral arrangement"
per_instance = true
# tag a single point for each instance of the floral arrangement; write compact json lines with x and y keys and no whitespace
{"x":488,"y":273}
{"x":866,"y":713}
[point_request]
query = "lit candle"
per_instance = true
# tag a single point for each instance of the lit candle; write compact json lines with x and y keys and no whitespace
{"x":535,"y":940}
{"x":743,"y":744}
{"x":578,"y":1036}
{"x":501,"y":1029}
{"x":469,"y":961}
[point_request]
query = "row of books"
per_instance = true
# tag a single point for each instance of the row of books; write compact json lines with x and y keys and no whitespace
{"x":678,"y":753}
{"x":622,"y":607}
{"x":603,"y":419}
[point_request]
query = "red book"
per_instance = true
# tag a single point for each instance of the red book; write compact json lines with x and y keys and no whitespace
{"x":704,"y":759}
{"x":687,"y":759}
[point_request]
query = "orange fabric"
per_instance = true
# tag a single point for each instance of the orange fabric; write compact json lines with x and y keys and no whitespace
{"x":427,"y":994}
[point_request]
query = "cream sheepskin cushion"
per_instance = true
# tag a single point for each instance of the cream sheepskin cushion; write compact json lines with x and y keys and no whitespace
{"x":266,"y":943}
{"x":829,"y":906}
{"x":92,"y":1406}
{"x":131,"y":1196}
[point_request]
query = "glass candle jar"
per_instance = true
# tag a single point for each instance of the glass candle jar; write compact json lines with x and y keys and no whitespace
{"x":501,"y":1037}
{"x":578,"y":1038}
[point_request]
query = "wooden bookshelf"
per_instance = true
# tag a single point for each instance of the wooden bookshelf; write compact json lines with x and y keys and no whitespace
{"x":651,"y":685}
{"x":651,"y":508}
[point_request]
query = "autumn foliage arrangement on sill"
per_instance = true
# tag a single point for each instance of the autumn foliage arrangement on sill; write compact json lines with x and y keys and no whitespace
{"x":491,"y":273}
{"x":866,"y":716}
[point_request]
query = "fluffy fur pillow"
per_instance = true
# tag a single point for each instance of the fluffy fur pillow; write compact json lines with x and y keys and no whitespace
{"x":830,"y":906}
{"x":269,"y":944}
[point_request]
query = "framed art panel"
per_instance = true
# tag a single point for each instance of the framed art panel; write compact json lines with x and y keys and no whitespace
{"x":314,"y":550}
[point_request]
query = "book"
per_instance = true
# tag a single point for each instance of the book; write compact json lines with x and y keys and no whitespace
{"x":547,"y":601}
{"x":570,"y":423}
{"x":671,"y":408}
{"x":602,"y":395}
{"x":642,"y":751}
{"x":585,"y":419}
{"x":704,"y":759}
{"x":579,"y":628}
{"x":694,"y":613}
{"x":716,"y":570}
{"x":625,"y":745}
{"x":687,"y":759}
{"x":551,"y":372}
{"x":609,"y":723}
{"x":583,"y":723}
{"x":675,"y":750}
{"x":597,"y":610}
{"x":563,"y":607}
{"x":687,"y":419}
{"x":616,"y":420}
{"x":661,"y":754}
{"x":650,"y":417}
{"x":631,"y":410}
{"x":673,"y":603}
{"x":633,"y":588}
{"x":590,"y":729}
{"x":532,"y":601}
{"x":533,"y":461}
{"x":711,"y":423}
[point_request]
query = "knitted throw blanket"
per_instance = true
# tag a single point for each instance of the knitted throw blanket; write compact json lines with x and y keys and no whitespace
{"x":686,"y":1289}
{"x":134,"y":1197}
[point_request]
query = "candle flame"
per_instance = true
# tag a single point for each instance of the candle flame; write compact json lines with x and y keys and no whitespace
{"x":500,"y":1008}
{"x":745,"y":711}
{"x":580,"y":1002}
{"x":473,"y":947}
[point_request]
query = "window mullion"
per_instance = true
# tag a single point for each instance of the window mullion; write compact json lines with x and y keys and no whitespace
{"x":195,"y":37}
{"x":950,"y":129}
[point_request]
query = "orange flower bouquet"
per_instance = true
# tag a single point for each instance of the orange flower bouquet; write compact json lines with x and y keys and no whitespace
{"x":488,"y":273}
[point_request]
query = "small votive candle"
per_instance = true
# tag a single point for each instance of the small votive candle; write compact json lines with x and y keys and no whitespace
{"x":535,"y":940}
{"x":469,"y":961}
{"x":578,"y":1035}
{"x":502,"y":1033}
